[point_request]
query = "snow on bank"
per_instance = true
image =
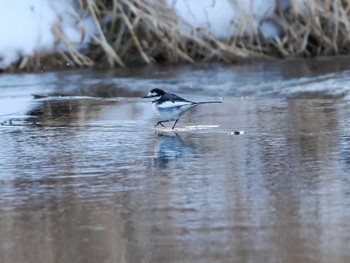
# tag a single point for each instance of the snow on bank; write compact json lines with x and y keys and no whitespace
{"x":26,"y":28}
{"x":226,"y":18}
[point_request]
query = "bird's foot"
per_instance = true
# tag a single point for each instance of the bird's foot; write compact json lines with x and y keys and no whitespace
{"x":159,"y":123}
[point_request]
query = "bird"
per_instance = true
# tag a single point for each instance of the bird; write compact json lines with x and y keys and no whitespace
{"x":171,"y":107}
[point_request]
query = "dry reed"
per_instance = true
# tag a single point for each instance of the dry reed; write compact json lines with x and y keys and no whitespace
{"x":148,"y":31}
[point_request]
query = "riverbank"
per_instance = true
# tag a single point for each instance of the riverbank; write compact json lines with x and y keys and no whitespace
{"x":75,"y":34}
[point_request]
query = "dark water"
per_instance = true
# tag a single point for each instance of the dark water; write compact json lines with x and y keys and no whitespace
{"x":86,"y":178}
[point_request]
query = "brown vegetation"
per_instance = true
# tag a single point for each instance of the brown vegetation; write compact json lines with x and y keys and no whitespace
{"x":144,"y":31}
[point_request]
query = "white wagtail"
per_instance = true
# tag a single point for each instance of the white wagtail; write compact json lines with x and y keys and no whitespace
{"x":171,"y":107}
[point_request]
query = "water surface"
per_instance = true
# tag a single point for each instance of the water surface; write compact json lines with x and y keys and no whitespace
{"x":85,"y":177}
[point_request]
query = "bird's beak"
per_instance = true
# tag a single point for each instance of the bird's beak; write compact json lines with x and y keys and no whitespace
{"x":149,"y":95}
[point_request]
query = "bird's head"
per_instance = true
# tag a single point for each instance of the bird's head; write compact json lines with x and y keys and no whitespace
{"x":155,"y":93}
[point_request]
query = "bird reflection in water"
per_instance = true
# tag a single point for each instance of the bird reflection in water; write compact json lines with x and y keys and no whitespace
{"x":170,"y":148}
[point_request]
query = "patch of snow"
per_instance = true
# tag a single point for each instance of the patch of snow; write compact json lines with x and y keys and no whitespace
{"x":224,"y":18}
{"x":269,"y":29}
{"x":26,"y":27}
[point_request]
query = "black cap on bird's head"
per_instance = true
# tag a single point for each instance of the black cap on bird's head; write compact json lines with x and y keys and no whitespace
{"x":155,"y":93}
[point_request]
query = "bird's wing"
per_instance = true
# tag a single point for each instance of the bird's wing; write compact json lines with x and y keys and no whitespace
{"x":173,"y":97}
{"x":170,"y":100}
{"x":174,"y":104}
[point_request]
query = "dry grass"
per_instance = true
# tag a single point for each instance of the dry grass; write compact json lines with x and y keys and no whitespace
{"x":322,"y":29}
{"x":146,"y":31}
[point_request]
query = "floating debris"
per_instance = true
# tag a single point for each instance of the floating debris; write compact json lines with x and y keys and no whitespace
{"x":236,"y":133}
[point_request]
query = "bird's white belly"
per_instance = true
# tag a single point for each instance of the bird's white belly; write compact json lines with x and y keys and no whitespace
{"x":171,"y":113}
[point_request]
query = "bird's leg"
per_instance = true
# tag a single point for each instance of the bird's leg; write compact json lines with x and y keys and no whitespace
{"x":160,"y":123}
{"x":175,"y":124}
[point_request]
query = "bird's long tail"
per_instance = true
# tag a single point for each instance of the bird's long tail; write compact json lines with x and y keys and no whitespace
{"x":207,"y":102}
